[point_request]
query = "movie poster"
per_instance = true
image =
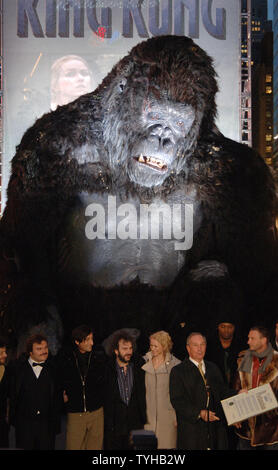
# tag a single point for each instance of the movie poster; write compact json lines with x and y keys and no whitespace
{"x":56,"y":50}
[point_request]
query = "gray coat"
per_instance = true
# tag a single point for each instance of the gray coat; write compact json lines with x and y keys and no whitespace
{"x":161,"y":416}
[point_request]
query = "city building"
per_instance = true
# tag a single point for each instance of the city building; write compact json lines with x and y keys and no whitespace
{"x":257,"y":83}
{"x":262,"y":102}
{"x":275,"y":83}
{"x":259,"y":25}
{"x":245,"y":81}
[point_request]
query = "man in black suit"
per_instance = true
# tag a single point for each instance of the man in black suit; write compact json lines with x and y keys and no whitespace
{"x":196,"y":388}
{"x":125,"y":403}
{"x":34,"y":397}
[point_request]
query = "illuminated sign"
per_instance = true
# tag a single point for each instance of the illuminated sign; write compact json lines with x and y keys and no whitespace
{"x":57,"y":15}
{"x":55,"y":50}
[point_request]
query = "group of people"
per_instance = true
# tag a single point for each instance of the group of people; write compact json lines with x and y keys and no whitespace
{"x":110,"y":394}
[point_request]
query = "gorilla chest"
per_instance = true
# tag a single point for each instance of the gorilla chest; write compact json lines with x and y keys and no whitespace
{"x":108,"y":242}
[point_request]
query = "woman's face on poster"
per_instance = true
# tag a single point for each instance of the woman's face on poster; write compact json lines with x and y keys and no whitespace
{"x":74,"y":80}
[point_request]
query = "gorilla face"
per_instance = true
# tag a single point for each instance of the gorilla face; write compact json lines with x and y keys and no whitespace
{"x":158,"y":102}
{"x":166,"y":128}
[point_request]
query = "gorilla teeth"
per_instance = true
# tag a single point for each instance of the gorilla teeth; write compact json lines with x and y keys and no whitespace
{"x":152,"y":162}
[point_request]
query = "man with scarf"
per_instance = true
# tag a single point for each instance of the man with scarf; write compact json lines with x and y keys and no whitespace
{"x":258,"y":366}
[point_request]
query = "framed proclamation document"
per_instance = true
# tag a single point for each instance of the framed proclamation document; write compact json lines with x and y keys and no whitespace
{"x":252,"y":403}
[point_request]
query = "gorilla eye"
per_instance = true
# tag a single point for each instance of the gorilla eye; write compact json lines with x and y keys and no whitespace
{"x":180,"y":124}
{"x":154,"y":116}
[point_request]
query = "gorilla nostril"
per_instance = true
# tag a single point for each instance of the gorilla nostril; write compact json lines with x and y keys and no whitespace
{"x":167,"y":130}
{"x":166,"y":143}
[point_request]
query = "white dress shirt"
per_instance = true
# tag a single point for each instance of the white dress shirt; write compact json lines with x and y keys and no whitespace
{"x":36,"y":369}
{"x":197,"y":364}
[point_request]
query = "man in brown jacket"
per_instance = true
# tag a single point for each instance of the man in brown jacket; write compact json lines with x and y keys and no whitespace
{"x":258,"y":366}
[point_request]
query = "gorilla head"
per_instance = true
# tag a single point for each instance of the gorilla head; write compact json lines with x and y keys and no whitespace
{"x":167,"y":126}
{"x":158,"y":102}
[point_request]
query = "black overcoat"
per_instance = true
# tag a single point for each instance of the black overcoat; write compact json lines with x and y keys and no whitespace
{"x":189,"y":396}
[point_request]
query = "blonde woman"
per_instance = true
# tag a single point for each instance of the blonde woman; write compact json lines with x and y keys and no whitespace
{"x":161,"y":417}
{"x":71,"y":77}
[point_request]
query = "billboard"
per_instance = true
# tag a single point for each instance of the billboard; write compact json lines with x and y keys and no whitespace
{"x":56,"y":50}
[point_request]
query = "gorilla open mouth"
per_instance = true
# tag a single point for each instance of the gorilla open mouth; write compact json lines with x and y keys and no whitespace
{"x":152,"y":162}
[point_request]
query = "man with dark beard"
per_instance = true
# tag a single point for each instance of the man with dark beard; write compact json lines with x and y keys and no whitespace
{"x":125,"y":403}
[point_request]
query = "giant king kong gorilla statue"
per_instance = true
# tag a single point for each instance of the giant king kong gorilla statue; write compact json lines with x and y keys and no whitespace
{"x":146,"y":135}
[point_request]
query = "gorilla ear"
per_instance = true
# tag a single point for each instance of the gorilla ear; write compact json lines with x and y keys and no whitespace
{"x":122,"y":85}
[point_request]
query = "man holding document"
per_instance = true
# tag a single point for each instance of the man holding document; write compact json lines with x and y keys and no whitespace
{"x":258,"y":366}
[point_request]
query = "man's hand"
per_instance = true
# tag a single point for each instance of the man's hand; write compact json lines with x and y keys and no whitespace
{"x":237,"y":425}
{"x":204,"y":414}
{"x":243,"y":390}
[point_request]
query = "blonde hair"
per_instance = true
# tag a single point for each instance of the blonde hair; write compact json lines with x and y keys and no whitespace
{"x":164,"y":339}
{"x":56,"y":71}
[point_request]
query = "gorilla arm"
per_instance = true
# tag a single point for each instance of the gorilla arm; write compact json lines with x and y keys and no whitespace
{"x":242,"y":212}
{"x":46,"y":172}
{"x":234,"y":261}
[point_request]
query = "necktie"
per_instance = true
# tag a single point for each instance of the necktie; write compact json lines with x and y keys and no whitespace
{"x":205,"y":381}
{"x":38,"y":364}
{"x":201,"y":372}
